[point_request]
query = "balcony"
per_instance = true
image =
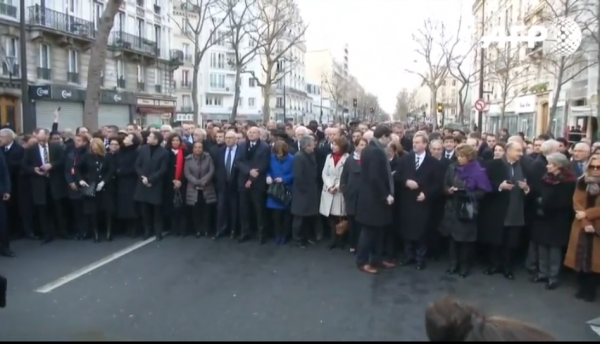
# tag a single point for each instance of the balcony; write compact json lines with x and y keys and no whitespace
{"x":186,"y":85}
{"x":176,"y":58}
{"x":67,"y":28}
{"x":133,"y":45}
{"x":73,"y":77}
{"x":6,"y":70}
{"x":156,"y":9}
{"x":188,"y":57}
{"x":44,"y":73}
{"x":8,"y":10}
{"x":141,"y":86}
{"x":215,"y":89}
{"x":121,"y":82}
{"x":186,"y":108}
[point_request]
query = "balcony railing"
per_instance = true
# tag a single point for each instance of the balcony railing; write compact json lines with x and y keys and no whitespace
{"x":132,"y":42}
{"x":176,"y":56}
{"x":73,"y":77}
{"x":121,"y":82}
{"x":58,"y":21}
{"x":6,"y":70}
{"x":141,"y":86}
{"x":8,"y":10}
{"x":44,"y":73}
{"x":186,"y":85}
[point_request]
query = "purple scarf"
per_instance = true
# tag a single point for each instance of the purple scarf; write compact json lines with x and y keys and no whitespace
{"x":474,"y":176}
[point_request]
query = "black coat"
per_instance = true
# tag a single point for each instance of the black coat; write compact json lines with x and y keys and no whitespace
{"x":56,"y":177}
{"x":94,"y":169}
{"x":223,"y":181}
{"x":152,"y":165}
{"x":374,"y":188}
{"x":257,"y":157}
{"x":349,"y":183}
{"x":416,"y":214}
{"x":13,"y":158}
{"x":127,"y":179}
{"x":72,"y":158}
{"x":306,"y":193}
{"x":5,"y":186}
{"x":554,"y":216}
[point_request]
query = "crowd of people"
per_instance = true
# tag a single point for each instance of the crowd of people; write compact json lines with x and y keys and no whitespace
{"x":388,"y":198}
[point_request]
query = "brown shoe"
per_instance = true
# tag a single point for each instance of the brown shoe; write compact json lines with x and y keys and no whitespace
{"x":368,"y":269}
{"x":388,"y":265}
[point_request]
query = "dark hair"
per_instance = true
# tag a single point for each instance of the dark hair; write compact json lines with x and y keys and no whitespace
{"x":145,"y":134}
{"x":158,"y":136}
{"x":456,"y":139}
{"x":397,"y":148}
{"x":543,"y":137}
{"x":280,"y":148}
{"x":85,"y":138}
{"x":78,"y":129}
{"x":170,"y":139}
{"x":98,"y":135}
{"x":382,"y":131}
{"x":448,"y":320}
{"x":342,"y":144}
{"x":358,"y":141}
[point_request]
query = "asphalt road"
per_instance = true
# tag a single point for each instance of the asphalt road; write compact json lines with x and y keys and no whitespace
{"x":188,"y":289}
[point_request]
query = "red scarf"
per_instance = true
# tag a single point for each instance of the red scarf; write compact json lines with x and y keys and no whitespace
{"x":179,"y":163}
{"x":336,"y":158}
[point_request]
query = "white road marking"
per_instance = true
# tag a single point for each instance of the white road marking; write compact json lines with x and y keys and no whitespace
{"x":87,"y":269}
{"x":595,"y":325}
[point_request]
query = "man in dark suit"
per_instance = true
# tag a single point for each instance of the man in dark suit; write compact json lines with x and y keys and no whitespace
{"x":5,"y":192}
{"x":419,"y":175}
{"x":450,"y":142}
{"x":226,"y":177}
{"x":376,"y":190}
{"x":13,"y":155}
{"x":253,"y":166}
{"x":44,"y":164}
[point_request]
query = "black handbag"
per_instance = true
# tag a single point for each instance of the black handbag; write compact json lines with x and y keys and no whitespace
{"x":89,"y":191}
{"x":177,"y":199}
{"x":467,"y":208}
{"x":280,"y":193}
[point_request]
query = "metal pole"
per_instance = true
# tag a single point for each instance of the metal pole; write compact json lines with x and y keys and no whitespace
{"x":28,"y":116}
{"x":481,"y":66}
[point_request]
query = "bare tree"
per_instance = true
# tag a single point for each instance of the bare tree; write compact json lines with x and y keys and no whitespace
{"x":405,"y":103}
{"x":371,"y":103}
{"x":200,"y":16}
{"x":96,"y":64}
{"x":431,"y":41}
{"x":337,"y":88}
{"x":459,"y":67}
{"x":244,"y":47}
{"x":276,"y":28}
{"x":564,"y":68}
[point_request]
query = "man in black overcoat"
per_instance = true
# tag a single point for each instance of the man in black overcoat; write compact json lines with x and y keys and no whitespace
{"x":226,"y":184}
{"x":44,"y":165}
{"x":305,"y":191}
{"x":419,"y":175}
{"x":151,"y":166}
{"x":253,"y":166}
{"x":375,"y":192}
{"x":13,"y":155}
{"x":5,"y":192}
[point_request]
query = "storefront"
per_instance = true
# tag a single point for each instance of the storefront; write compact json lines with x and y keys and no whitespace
{"x":525,"y":109}
{"x":114,"y":109}
{"x":154,"y":111}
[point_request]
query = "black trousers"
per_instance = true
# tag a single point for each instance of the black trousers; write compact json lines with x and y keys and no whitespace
{"x":460,"y":255}
{"x":252,"y":207}
{"x":227,"y":212}
{"x":51,"y":218}
{"x":416,"y":250}
{"x":79,"y":220}
{"x":177,"y":223}
{"x":152,"y":218}
{"x":282,"y":221}
{"x":199,"y":216}
{"x":370,"y":246}
{"x":391,"y":239}
{"x":503,"y":255}
{"x":300,"y":225}
{"x":4,"y":231}
{"x":354,"y":232}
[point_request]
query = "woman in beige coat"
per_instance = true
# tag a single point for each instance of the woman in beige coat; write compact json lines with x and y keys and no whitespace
{"x":332,"y":201}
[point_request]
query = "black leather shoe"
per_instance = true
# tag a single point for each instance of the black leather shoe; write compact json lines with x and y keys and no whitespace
{"x":407,"y":262}
{"x":551,"y":285}
{"x":508,"y":275}
{"x":491,"y":271}
{"x":463,"y":274}
{"x":219,"y":236}
{"x":451,"y":270}
{"x":7,"y":253}
{"x":539,"y":279}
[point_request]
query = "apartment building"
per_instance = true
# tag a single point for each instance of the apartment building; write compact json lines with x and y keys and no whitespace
{"x":330,"y":67}
{"x":136,"y":80}
{"x":447,"y":95}
{"x":319,"y":107}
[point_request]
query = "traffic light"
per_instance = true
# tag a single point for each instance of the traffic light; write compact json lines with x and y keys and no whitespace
{"x":354,"y":102}
{"x":440,"y":107}
{"x":371,"y":110}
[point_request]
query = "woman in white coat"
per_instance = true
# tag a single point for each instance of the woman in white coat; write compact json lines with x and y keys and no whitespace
{"x":332,"y":201}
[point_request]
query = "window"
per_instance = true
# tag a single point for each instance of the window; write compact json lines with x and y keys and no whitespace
{"x":12,"y":47}
{"x":279,"y":103}
{"x":251,"y":102}
{"x":157,"y":34}
{"x":186,"y":50}
{"x":140,"y":27}
{"x":98,"y":10}
{"x":220,"y":38}
{"x":120,"y":69}
{"x":241,"y":102}
{"x":73,"y":61}
{"x":120,"y":22}
{"x":141,"y":74}
{"x":214,"y":101}
{"x":185,"y":78}
{"x":217,"y":60}
{"x":251,"y":82}
{"x":44,"y":56}
{"x":217,"y":81}
{"x":157,"y":76}
{"x":453,"y":82}
{"x":186,"y":101}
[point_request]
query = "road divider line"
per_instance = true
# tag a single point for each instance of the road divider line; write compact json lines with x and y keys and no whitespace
{"x":95,"y":265}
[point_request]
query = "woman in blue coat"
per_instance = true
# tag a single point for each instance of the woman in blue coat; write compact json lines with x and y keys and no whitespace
{"x":280,"y":171}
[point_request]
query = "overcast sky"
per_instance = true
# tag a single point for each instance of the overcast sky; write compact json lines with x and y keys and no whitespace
{"x":378,"y":33}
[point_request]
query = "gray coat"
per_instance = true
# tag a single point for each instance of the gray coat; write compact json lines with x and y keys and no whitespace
{"x":305,"y":192}
{"x":199,"y":173}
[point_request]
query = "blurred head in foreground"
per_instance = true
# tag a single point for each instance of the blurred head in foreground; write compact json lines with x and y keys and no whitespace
{"x":448,"y":320}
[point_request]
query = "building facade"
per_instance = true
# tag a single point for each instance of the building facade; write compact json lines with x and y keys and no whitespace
{"x":136,"y":80}
{"x":319,"y":106}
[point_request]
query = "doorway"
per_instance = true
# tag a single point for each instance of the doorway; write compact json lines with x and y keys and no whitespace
{"x":9,"y":113}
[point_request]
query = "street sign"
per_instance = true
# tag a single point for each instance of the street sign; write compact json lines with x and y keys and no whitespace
{"x":480,"y":105}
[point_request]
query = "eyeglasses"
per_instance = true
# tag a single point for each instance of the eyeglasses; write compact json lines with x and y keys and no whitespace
{"x":594,"y":167}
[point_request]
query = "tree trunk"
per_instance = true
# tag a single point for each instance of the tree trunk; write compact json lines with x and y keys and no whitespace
{"x":96,"y":65}
{"x":266,"y":92}
{"x":433,"y":106}
{"x":236,"y":97}
{"x":555,"y":97}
